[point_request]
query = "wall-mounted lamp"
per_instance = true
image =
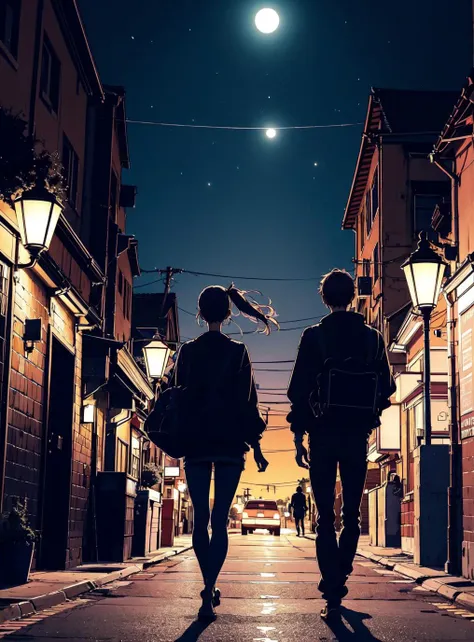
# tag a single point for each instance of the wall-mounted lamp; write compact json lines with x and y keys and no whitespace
{"x":32,"y":334}
{"x":88,"y":413}
{"x":38,"y":213}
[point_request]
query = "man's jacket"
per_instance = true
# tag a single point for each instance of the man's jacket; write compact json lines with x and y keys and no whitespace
{"x":345,"y":335}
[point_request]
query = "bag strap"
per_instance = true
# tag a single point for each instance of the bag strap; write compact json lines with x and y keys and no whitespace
{"x":321,"y":343}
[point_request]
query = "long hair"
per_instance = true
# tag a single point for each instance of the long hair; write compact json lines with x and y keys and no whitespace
{"x":215,"y":306}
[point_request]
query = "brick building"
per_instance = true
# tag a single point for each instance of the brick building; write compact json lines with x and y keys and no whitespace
{"x":154,"y":314}
{"x":394,"y":191}
{"x":74,"y":402}
{"x":454,"y":156}
{"x":47,"y":74}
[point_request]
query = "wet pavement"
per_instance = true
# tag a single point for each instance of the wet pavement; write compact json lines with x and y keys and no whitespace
{"x":269,"y":594}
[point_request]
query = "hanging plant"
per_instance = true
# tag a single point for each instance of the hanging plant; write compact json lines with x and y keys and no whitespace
{"x":23,"y":165}
{"x":151,"y":475}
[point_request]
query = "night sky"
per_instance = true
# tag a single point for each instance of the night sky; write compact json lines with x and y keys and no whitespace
{"x":231,"y":201}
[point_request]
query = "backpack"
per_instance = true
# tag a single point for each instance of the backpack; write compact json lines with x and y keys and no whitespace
{"x":184,"y":417}
{"x":168,"y":421}
{"x":349,"y":390}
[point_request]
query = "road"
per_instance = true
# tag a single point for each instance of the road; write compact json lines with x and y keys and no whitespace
{"x":269,"y":595}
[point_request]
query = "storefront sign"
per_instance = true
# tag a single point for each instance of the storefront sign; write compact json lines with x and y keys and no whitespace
{"x":171,"y":471}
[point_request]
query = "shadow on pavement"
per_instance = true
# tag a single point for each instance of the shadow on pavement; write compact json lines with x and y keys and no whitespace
{"x":358,"y":630}
{"x":194,"y":632}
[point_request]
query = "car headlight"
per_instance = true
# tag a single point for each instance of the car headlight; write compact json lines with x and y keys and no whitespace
{"x":276,"y":516}
{"x":245,"y":515}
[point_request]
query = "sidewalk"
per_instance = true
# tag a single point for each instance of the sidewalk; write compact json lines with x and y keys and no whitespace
{"x":49,"y":588}
{"x":455,"y":588}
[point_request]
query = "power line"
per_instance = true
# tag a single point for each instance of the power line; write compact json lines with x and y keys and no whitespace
{"x":290,"y":361}
{"x":230,"y":276}
{"x":194,"y":314}
{"x":154,"y":123}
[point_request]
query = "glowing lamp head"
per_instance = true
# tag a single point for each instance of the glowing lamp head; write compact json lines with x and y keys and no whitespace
{"x":271,"y":133}
{"x":182,"y":487}
{"x":38,"y":212}
{"x":424,"y":271}
{"x":156,"y":355}
{"x":267,"y":20}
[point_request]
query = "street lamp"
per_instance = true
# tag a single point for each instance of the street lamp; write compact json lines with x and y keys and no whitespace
{"x":156,"y":355}
{"x":182,"y":487}
{"x":38,"y":212}
{"x":424,"y":271}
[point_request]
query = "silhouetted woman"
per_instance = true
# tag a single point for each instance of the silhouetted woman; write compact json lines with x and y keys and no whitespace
{"x":217,"y":374}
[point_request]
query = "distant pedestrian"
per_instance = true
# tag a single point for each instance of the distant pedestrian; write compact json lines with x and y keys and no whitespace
{"x":221,"y":394}
{"x":340,"y":385}
{"x":300,"y":507}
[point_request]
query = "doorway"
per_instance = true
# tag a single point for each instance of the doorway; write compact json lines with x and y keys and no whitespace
{"x":58,"y":458}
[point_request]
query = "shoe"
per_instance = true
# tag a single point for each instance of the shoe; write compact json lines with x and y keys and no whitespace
{"x":216,"y":597}
{"x":331,"y":611}
{"x":206,"y":613}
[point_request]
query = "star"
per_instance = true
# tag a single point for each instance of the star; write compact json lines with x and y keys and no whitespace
{"x":268,"y":97}
{"x":133,"y":37}
{"x":238,"y":167}
{"x":315,"y":164}
{"x":209,"y":184}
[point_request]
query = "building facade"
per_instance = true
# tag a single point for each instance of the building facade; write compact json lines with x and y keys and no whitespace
{"x":73,"y":399}
{"x":453,"y":155}
{"x":394,"y":191}
{"x":46,"y":450}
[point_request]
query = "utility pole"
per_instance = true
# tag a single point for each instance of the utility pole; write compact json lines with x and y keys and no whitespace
{"x":169,"y":272}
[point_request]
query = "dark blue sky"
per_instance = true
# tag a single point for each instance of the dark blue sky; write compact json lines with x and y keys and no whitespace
{"x":268,"y":211}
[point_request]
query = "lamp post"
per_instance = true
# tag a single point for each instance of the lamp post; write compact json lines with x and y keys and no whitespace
{"x":424,"y":271}
{"x":156,"y":355}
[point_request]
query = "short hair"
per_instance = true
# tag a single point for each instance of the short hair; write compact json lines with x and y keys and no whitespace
{"x":299,"y":489}
{"x":337,"y":289}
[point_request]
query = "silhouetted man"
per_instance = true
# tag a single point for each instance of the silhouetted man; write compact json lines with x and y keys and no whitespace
{"x":298,"y":504}
{"x":340,"y":384}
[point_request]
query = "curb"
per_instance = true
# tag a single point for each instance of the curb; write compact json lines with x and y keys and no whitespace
{"x":41,"y":602}
{"x":438,"y":584}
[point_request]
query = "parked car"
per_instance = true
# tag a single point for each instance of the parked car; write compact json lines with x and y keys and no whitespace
{"x":261,"y":513}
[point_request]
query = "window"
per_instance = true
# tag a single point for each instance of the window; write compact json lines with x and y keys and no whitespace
{"x":367,"y":214}
{"x":127,"y":299}
{"x":424,"y":206}
{"x":371,"y":203}
{"x":122,"y":456}
{"x":120,"y":282}
{"x":71,"y":171}
{"x":50,"y":75}
{"x":135,"y":461}
{"x":113,"y":195}
{"x":10,"y":11}
{"x":376,"y":262}
{"x":374,"y":196}
{"x":426,"y":196}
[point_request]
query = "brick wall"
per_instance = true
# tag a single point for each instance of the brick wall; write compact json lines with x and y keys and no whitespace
{"x":468,"y":488}
{"x":373,"y":480}
{"x":27,"y":431}
{"x":27,"y":386}
{"x":408,"y":517}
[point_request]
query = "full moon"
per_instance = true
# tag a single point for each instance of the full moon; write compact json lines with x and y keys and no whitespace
{"x":267,"y":20}
{"x":271,"y":133}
